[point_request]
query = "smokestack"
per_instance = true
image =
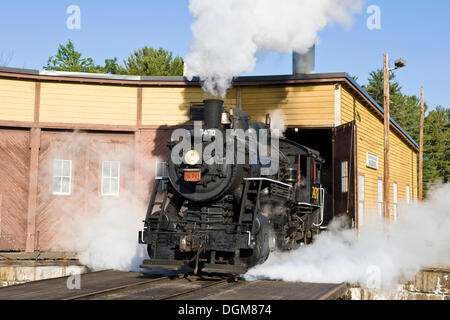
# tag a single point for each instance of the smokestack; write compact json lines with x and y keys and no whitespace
{"x":304,"y":63}
{"x":213,"y":113}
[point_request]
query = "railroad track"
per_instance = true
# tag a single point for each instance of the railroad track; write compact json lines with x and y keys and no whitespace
{"x":164,"y":288}
{"x":115,"y":289}
{"x":115,"y":285}
{"x":197,"y":290}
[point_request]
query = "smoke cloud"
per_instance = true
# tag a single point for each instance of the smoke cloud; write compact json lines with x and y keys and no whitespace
{"x":227,"y":34}
{"x":109,"y":239}
{"x":382,"y":257}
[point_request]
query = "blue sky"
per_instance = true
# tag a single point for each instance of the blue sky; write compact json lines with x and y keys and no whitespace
{"x":417,"y":31}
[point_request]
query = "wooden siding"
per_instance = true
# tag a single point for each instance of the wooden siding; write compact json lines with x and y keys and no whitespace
{"x":311,"y":105}
{"x":168,"y":106}
{"x":371,"y":139}
{"x":153,"y":148}
{"x":17,"y":100}
{"x":88,"y":104}
{"x":14,"y":170}
{"x":60,"y":218}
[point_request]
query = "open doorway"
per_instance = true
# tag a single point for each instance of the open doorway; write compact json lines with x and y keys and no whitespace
{"x":321,"y":141}
{"x":339,"y":174}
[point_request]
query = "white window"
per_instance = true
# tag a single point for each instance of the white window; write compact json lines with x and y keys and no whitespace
{"x":395,"y":201}
{"x":361,"y":199}
{"x":372,"y":161}
{"x":161,"y":171}
{"x":62,"y":177}
{"x":344,"y":176}
{"x":380,"y":198}
{"x":111,"y":178}
{"x":408,"y":195}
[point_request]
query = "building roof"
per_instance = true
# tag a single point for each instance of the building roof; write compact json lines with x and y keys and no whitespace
{"x":237,"y":82}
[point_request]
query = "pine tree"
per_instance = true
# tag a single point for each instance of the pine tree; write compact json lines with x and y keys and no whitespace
{"x":151,"y":62}
{"x":375,"y":87}
{"x":437,"y":147}
{"x":405,"y":110}
{"x":68,"y":59}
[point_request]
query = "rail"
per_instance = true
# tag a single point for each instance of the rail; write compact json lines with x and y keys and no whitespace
{"x":153,"y":284}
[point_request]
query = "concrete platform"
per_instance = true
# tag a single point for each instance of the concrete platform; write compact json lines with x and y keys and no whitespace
{"x":430,"y":284}
{"x":22,"y":267}
{"x":18,"y":256}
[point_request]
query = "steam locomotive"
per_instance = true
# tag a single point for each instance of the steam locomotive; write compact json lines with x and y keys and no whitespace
{"x":222,"y":217}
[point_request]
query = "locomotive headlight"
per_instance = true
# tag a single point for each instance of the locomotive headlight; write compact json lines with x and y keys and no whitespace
{"x":192,"y":157}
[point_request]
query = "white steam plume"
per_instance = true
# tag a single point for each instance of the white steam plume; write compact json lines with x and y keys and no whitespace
{"x":227,"y":34}
{"x":420,"y":238}
{"x":278,"y":121}
{"x":108,"y":240}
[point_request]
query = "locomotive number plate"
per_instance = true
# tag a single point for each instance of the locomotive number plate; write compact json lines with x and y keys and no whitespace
{"x":192,"y":176}
{"x":315,"y":193}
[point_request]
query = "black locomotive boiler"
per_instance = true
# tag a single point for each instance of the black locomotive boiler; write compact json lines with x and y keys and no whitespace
{"x":221,"y":217}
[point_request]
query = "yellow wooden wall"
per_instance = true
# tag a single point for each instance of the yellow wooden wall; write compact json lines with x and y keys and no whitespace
{"x":169,"y":106}
{"x":305,"y":105}
{"x":17,"y":100}
{"x":88,"y":104}
{"x":403,"y":162}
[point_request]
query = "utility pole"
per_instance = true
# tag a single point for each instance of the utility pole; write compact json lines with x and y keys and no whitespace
{"x":387,"y":123}
{"x":422,"y":116}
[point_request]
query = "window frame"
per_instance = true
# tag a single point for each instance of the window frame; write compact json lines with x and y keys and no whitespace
{"x":380,"y":197}
{"x":408,"y":194}
{"x":61,"y":176}
{"x":395,"y":200}
{"x":361,"y":199}
{"x":345,"y":177}
{"x":162,"y":175}
{"x":110,"y":178}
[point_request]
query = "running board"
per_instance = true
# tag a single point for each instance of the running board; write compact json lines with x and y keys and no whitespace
{"x":162,"y":264}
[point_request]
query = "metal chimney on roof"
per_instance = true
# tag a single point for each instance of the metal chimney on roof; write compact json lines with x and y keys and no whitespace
{"x":304,"y":63}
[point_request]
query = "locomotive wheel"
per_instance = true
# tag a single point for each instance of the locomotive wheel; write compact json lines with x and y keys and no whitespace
{"x":164,"y":219}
